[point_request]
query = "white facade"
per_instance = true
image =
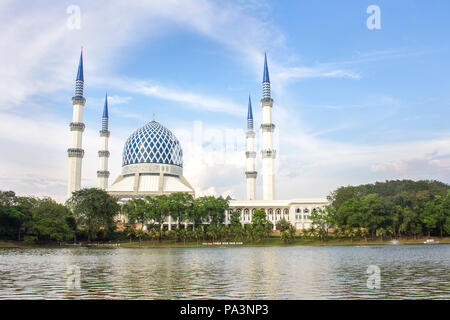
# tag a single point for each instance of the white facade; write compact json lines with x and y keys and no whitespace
{"x":268,"y":153}
{"x":76,"y":152}
{"x":296,"y":211}
{"x":103,"y":154}
{"x":251,"y":167}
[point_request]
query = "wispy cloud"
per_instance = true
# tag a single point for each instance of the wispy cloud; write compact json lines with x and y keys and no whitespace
{"x":315,"y":72}
{"x":184,"y":97}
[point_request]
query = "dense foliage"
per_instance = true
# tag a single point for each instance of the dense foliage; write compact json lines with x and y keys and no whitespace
{"x":34,"y":220}
{"x":392,"y":208}
{"x":388,"y":209}
{"x":94,"y":211}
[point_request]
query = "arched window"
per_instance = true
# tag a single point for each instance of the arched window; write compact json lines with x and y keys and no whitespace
{"x":270,"y":211}
{"x":298,"y":210}
{"x":246,"y":211}
{"x":305,"y":210}
{"x":278,"y":211}
{"x":286,"y":211}
{"x":253,"y":211}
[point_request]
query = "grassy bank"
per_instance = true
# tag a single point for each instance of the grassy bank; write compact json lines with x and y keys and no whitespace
{"x":276,"y":241}
{"x":273,"y":241}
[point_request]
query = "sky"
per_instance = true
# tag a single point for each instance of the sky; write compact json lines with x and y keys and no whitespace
{"x":352,"y":104}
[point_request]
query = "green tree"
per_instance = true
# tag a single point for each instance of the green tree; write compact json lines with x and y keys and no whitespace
{"x":50,"y":222}
{"x":195,"y":212}
{"x":429,"y":216}
{"x":198,"y":233}
{"x":94,"y":210}
{"x":179,"y":203}
{"x":373,"y":212}
{"x":322,"y":221}
{"x":348,"y":214}
{"x":137,"y":212}
{"x":159,"y":210}
{"x":282,"y":225}
{"x":14,"y":213}
{"x":289,"y":234}
{"x":259,"y":224}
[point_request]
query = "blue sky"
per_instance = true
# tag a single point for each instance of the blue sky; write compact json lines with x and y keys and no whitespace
{"x":352,"y":105}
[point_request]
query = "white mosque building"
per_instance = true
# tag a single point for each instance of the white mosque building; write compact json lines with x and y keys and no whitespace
{"x":152,"y":163}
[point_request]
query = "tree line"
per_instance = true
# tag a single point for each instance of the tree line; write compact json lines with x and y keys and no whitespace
{"x":397,"y":208}
{"x":194,"y":219}
{"x":400,"y":208}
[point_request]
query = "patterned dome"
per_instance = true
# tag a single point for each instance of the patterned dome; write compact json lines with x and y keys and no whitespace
{"x":153,"y":143}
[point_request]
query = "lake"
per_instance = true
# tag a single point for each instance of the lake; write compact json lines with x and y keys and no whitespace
{"x":297,"y":272}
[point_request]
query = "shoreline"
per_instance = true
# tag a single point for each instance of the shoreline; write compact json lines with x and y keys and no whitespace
{"x":271,"y":242}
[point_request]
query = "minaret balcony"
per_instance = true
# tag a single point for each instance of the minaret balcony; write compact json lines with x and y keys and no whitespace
{"x":102,"y":174}
{"x":75,"y":152}
{"x":79,"y":100}
{"x":104,"y":133}
{"x":268,"y":153}
{"x":266,"y":102}
{"x":103,"y":153}
{"x":250,"y":174}
{"x":267,"y":127}
{"x":77,"y":126}
{"x":250,"y":134}
{"x":250,"y":154}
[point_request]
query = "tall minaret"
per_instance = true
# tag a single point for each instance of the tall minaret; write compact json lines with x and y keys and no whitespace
{"x":268,"y":153}
{"x":77,"y":126}
{"x":250,"y":155}
{"x":103,"y":154}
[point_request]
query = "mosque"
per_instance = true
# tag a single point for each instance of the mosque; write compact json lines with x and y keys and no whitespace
{"x":152,"y":163}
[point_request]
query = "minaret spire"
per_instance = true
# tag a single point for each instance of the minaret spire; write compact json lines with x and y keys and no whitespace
{"x":249,"y":114}
{"x":266,"y":79}
{"x":79,"y":83}
{"x":105,"y":114}
{"x":268,"y":153}
{"x":103,"y":154}
{"x":76,"y":152}
{"x":250,"y":155}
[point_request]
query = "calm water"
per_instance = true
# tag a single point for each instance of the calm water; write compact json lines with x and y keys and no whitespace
{"x":414,"y":272}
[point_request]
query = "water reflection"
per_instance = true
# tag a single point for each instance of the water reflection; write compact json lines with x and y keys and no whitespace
{"x":231,"y":273}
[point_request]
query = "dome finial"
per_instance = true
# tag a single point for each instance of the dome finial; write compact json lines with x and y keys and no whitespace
{"x":154,"y":116}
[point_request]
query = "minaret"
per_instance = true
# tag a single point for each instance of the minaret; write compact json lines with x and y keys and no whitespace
{"x":103,"y":154}
{"x":267,"y":153}
{"x":77,"y":126}
{"x":250,"y":155}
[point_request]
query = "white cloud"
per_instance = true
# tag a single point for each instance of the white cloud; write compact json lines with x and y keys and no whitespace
{"x":190,"y":99}
{"x":115,"y":99}
{"x":315,"y":72}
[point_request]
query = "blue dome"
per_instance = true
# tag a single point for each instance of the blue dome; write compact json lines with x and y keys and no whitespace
{"x":153,"y":143}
